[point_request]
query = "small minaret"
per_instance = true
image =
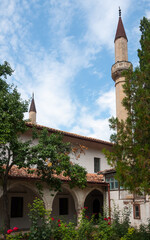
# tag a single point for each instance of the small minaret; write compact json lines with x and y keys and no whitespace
{"x":121,"y":64}
{"x":32,"y":111}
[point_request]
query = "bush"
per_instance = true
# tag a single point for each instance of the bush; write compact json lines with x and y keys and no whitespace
{"x":18,"y":236}
{"x":44,"y":227}
{"x":121,"y":221}
{"x":64,"y":231}
{"x":86,"y":226}
{"x":143,"y":233}
{"x":103,"y":230}
{"x":40,"y":221}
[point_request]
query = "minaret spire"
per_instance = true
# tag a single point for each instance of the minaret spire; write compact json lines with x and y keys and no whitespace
{"x":120,"y":28}
{"x":32,"y":111}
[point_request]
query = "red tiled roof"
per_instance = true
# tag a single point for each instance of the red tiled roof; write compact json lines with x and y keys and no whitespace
{"x":22,"y":173}
{"x":74,"y":135}
{"x":93,"y":177}
{"x":120,"y":30}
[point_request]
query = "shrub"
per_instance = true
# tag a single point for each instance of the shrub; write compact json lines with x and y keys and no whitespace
{"x":104,"y":230}
{"x":86,"y":226}
{"x":44,"y":227}
{"x":129,"y":235}
{"x":64,"y":231}
{"x":18,"y":236}
{"x":40,"y":221}
{"x":120,"y":221}
{"x":143,"y":232}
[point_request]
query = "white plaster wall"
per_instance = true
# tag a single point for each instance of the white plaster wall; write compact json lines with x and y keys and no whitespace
{"x":127,"y":201}
{"x":86,"y":160}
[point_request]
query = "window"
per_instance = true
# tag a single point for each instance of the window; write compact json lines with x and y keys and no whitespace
{"x":113,"y":182}
{"x":136,"y":211}
{"x":63,"y":206}
{"x":16,"y":207}
{"x":96,"y":165}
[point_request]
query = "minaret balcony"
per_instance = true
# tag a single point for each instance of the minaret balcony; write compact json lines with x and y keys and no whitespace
{"x":118,"y":68}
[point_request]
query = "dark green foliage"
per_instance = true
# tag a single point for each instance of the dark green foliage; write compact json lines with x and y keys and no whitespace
{"x":12,"y":109}
{"x":51,"y":156}
{"x":143,"y":232}
{"x":40,"y":221}
{"x":131,"y":151}
{"x":12,"y":150}
{"x":18,"y":236}
{"x":65,"y":231}
{"x":44,"y":227}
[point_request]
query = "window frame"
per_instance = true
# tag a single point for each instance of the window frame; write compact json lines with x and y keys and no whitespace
{"x":111,"y":176}
{"x":95,"y":164}
{"x":134,"y":211}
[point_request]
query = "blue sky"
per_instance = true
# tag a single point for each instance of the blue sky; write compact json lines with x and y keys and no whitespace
{"x":63,"y":50}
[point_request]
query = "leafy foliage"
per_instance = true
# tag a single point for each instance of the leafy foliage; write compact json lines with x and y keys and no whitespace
{"x":18,"y":236}
{"x":116,"y":228}
{"x":51,"y":156}
{"x":40,"y":221}
{"x":131,"y":152}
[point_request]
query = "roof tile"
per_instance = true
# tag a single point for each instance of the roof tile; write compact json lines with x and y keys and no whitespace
{"x":52,"y":130}
{"x":22,"y":173}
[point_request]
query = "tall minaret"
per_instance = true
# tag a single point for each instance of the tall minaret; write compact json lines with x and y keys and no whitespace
{"x":32,"y":111}
{"x":121,"y":64}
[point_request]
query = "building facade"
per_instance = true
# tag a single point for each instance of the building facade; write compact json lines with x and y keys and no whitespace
{"x":102,"y":191}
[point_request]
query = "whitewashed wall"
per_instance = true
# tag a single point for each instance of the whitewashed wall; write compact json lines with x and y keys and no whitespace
{"x":92,"y":150}
{"x":86,"y":159}
{"x":124,"y":199}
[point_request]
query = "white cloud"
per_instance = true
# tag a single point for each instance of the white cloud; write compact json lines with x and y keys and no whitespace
{"x":51,"y":72}
{"x":101,"y":17}
{"x":107,"y":101}
{"x":94,"y":125}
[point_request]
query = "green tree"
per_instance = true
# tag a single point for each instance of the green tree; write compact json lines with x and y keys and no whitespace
{"x":47,"y":159}
{"x":131,"y":150}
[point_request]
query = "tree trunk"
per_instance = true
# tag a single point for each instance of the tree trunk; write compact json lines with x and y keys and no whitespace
{"x":6,"y":206}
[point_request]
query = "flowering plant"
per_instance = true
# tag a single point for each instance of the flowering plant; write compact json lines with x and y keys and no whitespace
{"x":9,"y":231}
{"x":12,"y":230}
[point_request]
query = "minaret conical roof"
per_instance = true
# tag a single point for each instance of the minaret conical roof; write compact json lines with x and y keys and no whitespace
{"x":120,"y":30}
{"x":32,"y":106}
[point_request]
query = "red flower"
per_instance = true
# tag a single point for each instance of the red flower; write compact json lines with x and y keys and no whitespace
{"x":109,"y":218}
{"x":15,"y":229}
{"x":87,"y":217}
{"x":59,"y":225}
{"x":109,"y":223}
{"x":52,"y":218}
{"x":85,"y":207}
{"x":9,"y":231}
{"x":58,"y":220}
{"x":105,"y":219}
